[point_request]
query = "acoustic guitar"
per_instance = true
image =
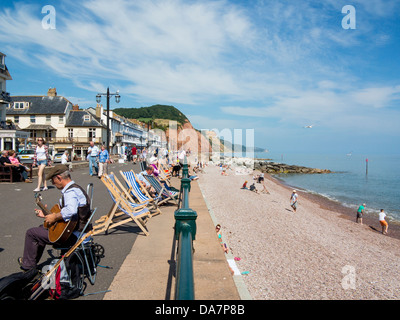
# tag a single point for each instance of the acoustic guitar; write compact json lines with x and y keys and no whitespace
{"x":61,"y":230}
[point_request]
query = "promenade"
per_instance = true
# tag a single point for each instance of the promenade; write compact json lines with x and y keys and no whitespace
{"x":137,"y":267}
{"x":148,"y":272}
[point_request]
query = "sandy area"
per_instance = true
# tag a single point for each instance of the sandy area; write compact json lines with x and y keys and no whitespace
{"x":314,"y":253}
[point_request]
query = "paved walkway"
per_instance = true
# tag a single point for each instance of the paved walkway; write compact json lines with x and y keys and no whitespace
{"x":148,"y":272}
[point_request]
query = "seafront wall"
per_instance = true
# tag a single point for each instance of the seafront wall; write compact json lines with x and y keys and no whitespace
{"x":267,"y":166}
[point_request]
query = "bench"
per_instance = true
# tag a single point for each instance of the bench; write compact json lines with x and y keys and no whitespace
{"x":7,"y":175}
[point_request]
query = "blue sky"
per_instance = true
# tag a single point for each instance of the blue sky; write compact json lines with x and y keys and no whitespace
{"x":272,"y":66}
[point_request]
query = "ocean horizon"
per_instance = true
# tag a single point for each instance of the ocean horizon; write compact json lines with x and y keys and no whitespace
{"x":353,"y":180}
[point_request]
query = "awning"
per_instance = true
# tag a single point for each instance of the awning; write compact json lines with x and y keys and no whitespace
{"x":44,"y":127}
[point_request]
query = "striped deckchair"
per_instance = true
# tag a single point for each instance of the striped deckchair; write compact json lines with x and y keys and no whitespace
{"x":162,"y":190}
{"x":121,"y":208}
{"x":140,"y":194}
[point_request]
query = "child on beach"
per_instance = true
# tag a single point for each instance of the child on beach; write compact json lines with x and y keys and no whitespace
{"x":218,"y":231}
{"x":360,"y":213}
{"x":253,"y":188}
{"x":293,"y":200}
{"x":383,"y":222}
{"x":244,"y":185}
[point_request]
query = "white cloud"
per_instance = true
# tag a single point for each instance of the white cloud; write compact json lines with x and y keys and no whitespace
{"x":285,"y":60}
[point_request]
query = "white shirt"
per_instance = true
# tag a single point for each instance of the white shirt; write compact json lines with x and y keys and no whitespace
{"x":64,"y":159}
{"x":40,"y":153}
{"x":93,"y":151}
{"x":382,"y":216}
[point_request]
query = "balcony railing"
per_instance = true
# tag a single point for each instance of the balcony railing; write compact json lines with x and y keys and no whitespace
{"x":185,"y":234}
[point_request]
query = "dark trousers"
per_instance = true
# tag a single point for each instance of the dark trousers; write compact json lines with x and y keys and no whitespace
{"x":36,"y":240}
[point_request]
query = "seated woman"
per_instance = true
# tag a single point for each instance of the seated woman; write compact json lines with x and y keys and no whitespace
{"x":19,"y":166}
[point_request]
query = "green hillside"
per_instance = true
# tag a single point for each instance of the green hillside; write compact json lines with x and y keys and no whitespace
{"x":157,"y":111}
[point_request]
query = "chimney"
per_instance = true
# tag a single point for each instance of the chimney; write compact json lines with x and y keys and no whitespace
{"x":99,"y":110}
{"x":75,"y":107}
{"x":52,"y":92}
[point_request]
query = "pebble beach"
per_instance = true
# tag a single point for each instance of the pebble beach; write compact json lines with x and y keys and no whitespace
{"x":317,"y":253}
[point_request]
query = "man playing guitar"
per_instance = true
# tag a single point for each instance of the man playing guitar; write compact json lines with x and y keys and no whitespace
{"x":74,"y":205}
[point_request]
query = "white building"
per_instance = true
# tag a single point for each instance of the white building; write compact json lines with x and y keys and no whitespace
{"x":58,"y":121}
{"x":10,"y":136}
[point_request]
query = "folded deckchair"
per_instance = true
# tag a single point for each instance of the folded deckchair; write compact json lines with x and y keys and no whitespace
{"x":162,"y":189}
{"x":140,"y":194}
{"x":122,"y":211}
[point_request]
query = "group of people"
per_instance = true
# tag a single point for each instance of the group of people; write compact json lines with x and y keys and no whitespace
{"x":98,"y":160}
{"x":382,"y":218}
{"x":260,"y":179}
{"x":8,"y":159}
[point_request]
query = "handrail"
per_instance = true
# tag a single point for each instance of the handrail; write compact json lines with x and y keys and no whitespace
{"x":185,"y":233}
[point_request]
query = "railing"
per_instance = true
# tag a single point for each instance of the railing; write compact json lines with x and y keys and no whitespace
{"x":185,"y":233}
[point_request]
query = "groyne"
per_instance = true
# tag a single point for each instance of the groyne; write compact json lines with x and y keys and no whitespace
{"x":271,"y":167}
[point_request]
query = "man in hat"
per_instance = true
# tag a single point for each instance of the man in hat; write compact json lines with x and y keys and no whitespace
{"x":74,"y":204}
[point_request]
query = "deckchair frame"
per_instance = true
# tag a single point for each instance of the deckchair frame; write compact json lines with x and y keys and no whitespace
{"x":138,"y":191}
{"x":122,"y":211}
{"x":162,"y":189}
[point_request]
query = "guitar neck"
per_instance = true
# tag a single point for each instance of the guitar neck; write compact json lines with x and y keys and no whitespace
{"x":44,"y":209}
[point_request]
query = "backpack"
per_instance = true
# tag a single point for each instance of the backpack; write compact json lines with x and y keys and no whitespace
{"x":68,"y":278}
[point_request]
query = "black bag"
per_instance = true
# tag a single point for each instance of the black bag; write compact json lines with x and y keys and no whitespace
{"x":17,"y":286}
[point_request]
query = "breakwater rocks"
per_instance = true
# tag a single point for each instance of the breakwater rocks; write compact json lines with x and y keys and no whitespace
{"x":273,"y":167}
{"x":267,"y":166}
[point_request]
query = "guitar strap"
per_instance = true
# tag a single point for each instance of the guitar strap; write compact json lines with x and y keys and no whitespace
{"x":83,"y":213}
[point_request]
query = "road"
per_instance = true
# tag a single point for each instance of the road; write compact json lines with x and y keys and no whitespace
{"x":17,"y":215}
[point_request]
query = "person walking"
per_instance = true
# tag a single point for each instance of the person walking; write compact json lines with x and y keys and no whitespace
{"x":104,"y":159}
{"x":41,"y":159}
{"x":293,"y":200}
{"x":134,"y":153}
{"x":383,"y":222}
{"x":65,"y":160}
{"x":93,"y":153}
{"x":360,"y":213}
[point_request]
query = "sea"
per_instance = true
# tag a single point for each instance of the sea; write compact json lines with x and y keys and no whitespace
{"x":355,"y":179}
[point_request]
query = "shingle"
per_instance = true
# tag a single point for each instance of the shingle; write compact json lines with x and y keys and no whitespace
{"x":76,"y":119}
{"x":40,"y":105}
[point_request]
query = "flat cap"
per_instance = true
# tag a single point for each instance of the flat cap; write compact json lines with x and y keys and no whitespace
{"x":56,"y":170}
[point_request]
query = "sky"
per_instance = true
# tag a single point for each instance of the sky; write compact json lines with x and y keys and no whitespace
{"x":268,"y":67}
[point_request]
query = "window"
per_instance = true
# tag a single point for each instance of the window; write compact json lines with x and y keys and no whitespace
{"x":92,"y":133}
{"x":33,"y":119}
{"x":60,"y":119}
{"x":16,"y":119}
{"x":86,"y":117}
{"x":70,"y":133}
{"x":48,"y":118}
{"x":18,"y":105}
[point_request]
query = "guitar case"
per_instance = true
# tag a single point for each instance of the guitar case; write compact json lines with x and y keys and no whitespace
{"x":17,"y":286}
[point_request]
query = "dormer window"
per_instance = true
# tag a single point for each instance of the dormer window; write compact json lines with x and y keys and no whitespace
{"x":86,"y":117}
{"x":20,"y":105}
